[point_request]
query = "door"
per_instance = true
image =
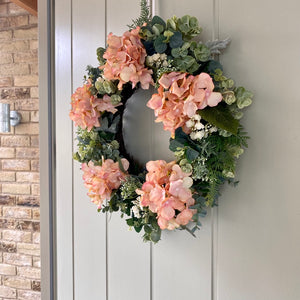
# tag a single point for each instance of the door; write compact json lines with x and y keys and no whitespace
{"x":248,"y":247}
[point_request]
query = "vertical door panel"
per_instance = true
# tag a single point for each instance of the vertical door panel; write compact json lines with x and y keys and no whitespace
{"x":128,"y":256}
{"x":64,"y":143}
{"x":259,"y":241}
{"x":89,"y":226}
{"x":181,"y":263}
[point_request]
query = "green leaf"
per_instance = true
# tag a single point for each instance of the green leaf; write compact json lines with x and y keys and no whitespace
{"x":159,"y":45}
{"x":174,"y":144}
{"x":129,"y":222}
{"x":213,"y":65}
{"x":191,"y":154}
{"x":158,"y":20}
{"x":176,"y":40}
{"x":220,"y":117}
{"x":138,"y":228}
{"x":157,"y":29}
{"x":155,"y":236}
{"x":147,"y":228}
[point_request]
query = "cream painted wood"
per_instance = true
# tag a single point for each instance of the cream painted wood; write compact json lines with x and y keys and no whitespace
{"x":89,"y":227}
{"x":181,"y":263}
{"x":64,"y":142}
{"x":259,"y":240}
{"x":128,"y":257}
{"x":256,"y":240}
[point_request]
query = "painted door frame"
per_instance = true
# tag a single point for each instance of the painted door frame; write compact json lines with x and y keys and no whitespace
{"x":47,"y":136}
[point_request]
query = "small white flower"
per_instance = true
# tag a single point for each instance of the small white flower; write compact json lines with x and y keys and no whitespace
{"x":165,"y":63}
{"x":190,"y":123}
{"x":136,"y":211}
{"x":196,"y":117}
{"x":156,"y":56}
{"x":199,"y":135}
{"x":193,"y":135}
{"x":163,"y":56}
{"x":213,"y":129}
{"x":199,"y":125}
{"x":149,"y":60}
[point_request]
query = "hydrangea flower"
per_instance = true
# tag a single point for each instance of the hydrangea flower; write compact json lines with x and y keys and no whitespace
{"x":125,"y":60}
{"x":102,"y":180}
{"x":167,"y":192}
{"x":86,"y":108}
{"x":179,"y":96}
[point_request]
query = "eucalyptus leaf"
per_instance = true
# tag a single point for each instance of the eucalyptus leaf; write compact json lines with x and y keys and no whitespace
{"x":191,"y":154}
{"x":155,"y":236}
{"x":159,"y":44}
{"x":176,"y":40}
{"x":158,"y":20}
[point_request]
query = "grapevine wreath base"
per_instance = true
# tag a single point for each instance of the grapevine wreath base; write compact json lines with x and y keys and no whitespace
{"x":195,"y":101}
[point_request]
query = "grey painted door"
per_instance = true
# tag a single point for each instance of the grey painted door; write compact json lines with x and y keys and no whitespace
{"x":249,"y":247}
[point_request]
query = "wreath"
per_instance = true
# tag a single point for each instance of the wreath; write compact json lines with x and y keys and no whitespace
{"x":195,"y":101}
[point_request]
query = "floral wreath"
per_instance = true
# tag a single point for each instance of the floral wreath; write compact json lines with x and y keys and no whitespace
{"x":195,"y":101}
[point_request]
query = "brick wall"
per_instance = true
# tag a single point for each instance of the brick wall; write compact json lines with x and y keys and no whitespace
{"x":19,"y":157}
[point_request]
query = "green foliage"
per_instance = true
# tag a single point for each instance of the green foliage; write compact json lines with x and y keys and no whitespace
{"x":100,"y":53}
{"x":221,"y":117}
{"x":145,"y":16}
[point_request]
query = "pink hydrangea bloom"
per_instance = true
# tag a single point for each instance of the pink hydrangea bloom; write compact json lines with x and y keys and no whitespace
{"x":167,"y":193}
{"x":86,"y":108}
{"x":179,"y":97}
{"x":102,"y":180}
{"x":125,"y":60}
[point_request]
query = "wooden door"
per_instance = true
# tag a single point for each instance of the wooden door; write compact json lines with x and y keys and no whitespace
{"x":248,"y":247}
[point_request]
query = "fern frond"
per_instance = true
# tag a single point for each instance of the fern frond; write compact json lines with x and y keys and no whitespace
{"x":145,"y":15}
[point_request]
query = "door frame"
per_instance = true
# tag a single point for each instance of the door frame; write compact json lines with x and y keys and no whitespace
{"x":47,"y":138}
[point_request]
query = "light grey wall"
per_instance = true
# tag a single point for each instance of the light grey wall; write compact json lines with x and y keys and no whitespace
{"x":249,"y":248}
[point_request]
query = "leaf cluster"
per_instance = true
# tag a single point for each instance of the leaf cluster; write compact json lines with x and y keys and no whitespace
{"x":174,"y":38}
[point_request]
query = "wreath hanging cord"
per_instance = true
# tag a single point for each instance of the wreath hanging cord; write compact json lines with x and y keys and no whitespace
{"x":195,"y":102}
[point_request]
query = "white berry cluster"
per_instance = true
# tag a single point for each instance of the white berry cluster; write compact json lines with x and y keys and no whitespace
{"x":199,"y":130}
{"x":136,"y":209}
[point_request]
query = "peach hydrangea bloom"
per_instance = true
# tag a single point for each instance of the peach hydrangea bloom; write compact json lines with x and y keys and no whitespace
{"x":102,"y":180}
{"x":86,"y":107}
{"x":125,"y":60}
{"x":167,"y":192}
{"x":179,"y":97}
